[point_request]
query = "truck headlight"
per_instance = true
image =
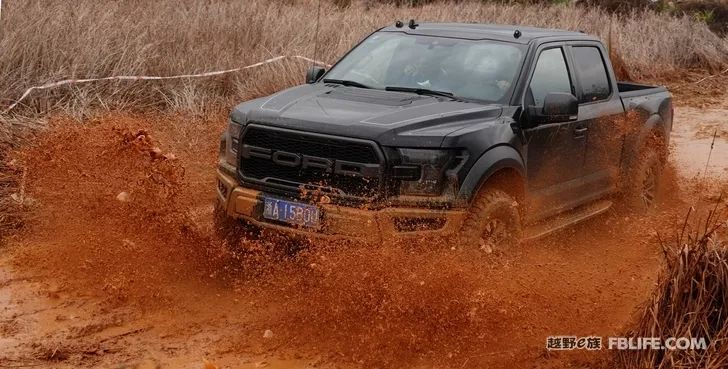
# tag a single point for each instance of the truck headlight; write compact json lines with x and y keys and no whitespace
{"x":235,"y":129}
{"x":422,"y":172}
{"x":229,"y":147}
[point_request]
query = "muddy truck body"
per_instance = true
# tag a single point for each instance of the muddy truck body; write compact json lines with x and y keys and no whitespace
{"x":485,"y":134}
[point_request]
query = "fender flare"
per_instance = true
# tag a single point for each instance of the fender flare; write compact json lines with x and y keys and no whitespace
{"x":654,"y":123}
{"x":493,"y":160}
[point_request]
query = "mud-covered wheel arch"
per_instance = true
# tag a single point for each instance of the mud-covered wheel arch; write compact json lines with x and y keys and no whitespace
{"x":494,"y":219}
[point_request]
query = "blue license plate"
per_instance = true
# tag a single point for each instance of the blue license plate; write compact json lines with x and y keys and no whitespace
{"x":291,"y":212}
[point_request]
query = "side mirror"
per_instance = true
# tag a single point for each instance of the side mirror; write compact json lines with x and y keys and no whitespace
{"x":314,"y":73}
{"x":557,"y":107}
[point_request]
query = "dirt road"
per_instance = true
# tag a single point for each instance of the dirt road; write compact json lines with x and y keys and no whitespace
{"x":142,"y":283}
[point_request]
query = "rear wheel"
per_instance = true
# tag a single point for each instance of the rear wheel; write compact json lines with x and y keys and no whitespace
{"x":494,"y":222}
{"x":643,"y":188}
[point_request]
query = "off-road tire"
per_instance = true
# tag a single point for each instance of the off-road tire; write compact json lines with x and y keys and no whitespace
{"x":491,"y":206}
{"x":643,"y":187}
{"x":232,"y":231}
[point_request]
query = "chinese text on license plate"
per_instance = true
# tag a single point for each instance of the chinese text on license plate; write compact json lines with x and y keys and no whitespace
{"x":290,"y":212}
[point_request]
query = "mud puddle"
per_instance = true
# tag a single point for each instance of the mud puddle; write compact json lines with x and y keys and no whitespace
{"x":700,"y":138}
{"x":98,"y":282}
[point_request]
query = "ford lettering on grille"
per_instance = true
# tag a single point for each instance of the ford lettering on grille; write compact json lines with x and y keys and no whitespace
{"x":304,"y":162}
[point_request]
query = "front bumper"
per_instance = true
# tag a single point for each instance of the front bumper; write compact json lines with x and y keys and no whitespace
{"x":342,"y":222}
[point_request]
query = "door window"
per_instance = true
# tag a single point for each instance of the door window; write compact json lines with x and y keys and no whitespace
{"x":550,"y":75}
{"x":592,"y":74}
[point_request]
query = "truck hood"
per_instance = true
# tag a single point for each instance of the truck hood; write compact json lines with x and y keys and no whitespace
{"x":390,"y":118}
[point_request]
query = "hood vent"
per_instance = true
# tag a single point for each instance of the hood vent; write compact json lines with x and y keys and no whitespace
{"x":378,"y":97}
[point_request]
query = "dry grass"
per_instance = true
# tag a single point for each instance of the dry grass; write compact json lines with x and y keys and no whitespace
{"x":13,"y":132}
{"x":48,"y":40}
{"x":691,"y":300}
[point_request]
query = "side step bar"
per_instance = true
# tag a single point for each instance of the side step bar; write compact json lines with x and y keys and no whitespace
{"x":577,"y":215}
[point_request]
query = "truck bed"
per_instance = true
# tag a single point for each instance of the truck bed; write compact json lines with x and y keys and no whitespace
{"x":631,"y":89}
{"x":646,"y":96}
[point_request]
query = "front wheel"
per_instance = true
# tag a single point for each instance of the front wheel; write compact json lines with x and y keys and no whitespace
{"x":494,"y":222}
{"x":232,"y":231}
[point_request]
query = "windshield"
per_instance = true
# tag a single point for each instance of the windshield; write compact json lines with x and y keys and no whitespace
{"x":480,"y":70}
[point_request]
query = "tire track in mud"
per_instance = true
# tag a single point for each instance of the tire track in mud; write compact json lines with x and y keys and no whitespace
{"x":143,"y":281}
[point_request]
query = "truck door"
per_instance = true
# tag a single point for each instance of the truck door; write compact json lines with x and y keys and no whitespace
{"x":601,"y":111}
{"x":554,"y":151}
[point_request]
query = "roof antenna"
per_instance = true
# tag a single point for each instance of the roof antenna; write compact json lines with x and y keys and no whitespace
{"x":399,"y":24}
{"x":412,"y":24}
{"x":517,"y":34}
{"x":315,"y":35}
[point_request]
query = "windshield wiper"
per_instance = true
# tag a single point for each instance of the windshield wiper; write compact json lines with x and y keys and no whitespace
{"x":345,"y":82}
{"x":421,"y":91}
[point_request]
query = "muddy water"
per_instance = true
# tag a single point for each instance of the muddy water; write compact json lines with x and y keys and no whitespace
{"x":97,"y":283}
{"x":693,"y":135}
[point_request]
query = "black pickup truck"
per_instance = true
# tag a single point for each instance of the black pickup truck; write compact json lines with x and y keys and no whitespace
{"x":482,"y":133}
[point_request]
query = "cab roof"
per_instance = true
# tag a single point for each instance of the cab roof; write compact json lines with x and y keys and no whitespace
{"x":476,"y":31}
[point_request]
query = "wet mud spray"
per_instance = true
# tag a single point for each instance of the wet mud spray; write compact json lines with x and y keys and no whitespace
{"x":120,"y":237}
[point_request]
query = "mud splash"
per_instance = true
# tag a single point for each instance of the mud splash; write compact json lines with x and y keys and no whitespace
{"x":148,"y":264}
{"x":109,"y":217}
{"x":111,"y":214}
{"x":378,"y":307}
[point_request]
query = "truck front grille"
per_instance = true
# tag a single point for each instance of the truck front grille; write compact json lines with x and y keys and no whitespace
{"x":262,"y":168}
